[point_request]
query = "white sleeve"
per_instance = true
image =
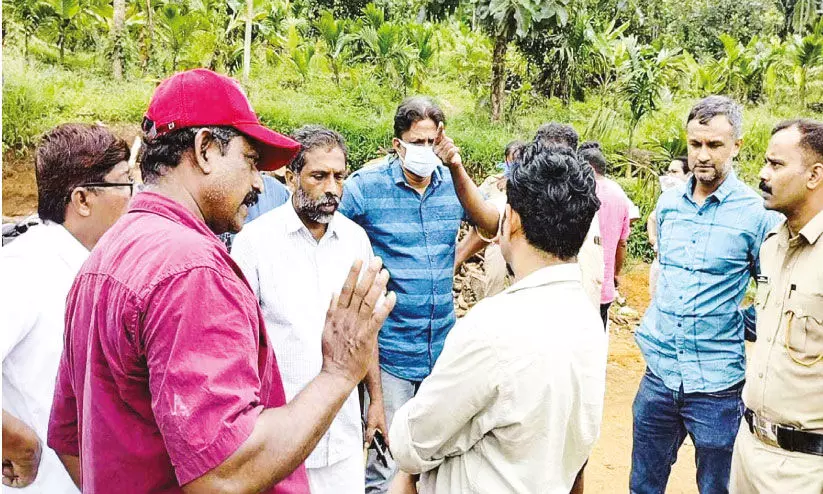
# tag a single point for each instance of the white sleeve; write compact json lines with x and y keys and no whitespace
{"x":18,"y":295}
{"x":244,"y":254}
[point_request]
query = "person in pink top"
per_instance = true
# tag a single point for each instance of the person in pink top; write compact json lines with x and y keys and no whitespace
{"x":168,"y":381}
{"x":614,"y":223}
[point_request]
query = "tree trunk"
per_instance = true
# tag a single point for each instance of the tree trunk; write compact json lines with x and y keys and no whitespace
{"x":629,"y":151}
{"x":498,"y":76}
{"x":247,"y":41}
{"x":61,"y":43}
{"x":802,"y":84}
{"x":149,"y":36}
{"x":117,"y":37}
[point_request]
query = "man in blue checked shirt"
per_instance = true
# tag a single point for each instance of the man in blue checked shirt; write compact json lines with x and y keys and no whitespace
{"x":411,"y":206}
{"x":709,"y":235}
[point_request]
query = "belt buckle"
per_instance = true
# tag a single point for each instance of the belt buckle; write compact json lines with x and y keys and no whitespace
{"x":765,"y":430}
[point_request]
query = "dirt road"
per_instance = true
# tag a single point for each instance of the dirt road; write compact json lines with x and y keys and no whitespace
{"x":609,"y":466}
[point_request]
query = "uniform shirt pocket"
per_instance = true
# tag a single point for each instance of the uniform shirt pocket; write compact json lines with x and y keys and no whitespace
{"x":804,"y":325}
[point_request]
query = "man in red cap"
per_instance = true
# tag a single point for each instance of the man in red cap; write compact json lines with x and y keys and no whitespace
{"x":167,"y":382}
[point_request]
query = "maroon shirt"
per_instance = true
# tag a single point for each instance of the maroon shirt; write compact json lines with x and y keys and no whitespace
{"x":167,"y":364}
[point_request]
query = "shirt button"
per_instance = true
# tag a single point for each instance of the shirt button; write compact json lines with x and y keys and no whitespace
{"x":769,"y":339}
{"x":760,"y":375}
{"x":700,"y":213}
{"x":679,"y":325}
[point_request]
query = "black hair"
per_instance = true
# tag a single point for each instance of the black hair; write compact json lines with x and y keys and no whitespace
{"x":712,"y":106}
{"x":513,"y":148}
{"x":312,"y":137}
{"x":591,"y":154}
{"x":69,"y":156}
{"x":415,"y":109}
{"x":166,"y":150}
{"x":684,"y":162}
{"x":811,"y":132}
{"x":554,"y":194}
{"x":558,"y":134}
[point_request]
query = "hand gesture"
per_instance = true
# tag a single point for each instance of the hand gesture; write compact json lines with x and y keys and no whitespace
{"x":353,"y":320}
{"x":445,"y":149}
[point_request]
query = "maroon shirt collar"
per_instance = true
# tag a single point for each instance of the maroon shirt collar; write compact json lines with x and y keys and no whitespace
{"x":161,"y":205}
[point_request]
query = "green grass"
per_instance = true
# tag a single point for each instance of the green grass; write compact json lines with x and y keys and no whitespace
{"x":38,"y":96}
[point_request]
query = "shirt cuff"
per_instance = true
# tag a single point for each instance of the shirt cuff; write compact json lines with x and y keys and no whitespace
{"x":224,"y":445}
{"x":402,"y":445}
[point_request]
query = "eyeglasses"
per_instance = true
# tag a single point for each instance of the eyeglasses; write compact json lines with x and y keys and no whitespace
{"x":129,"y":184}
{"x":103,"y":185}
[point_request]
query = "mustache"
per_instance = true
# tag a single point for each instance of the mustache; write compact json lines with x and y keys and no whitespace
{"x":331,"y":200}
{"x":251,"y":198}
{"x":764,"y":187}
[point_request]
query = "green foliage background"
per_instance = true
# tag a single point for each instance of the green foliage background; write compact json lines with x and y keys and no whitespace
{"x":623,"y":72}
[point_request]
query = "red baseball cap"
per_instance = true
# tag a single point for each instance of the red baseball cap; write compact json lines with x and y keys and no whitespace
{"x":200,"y":98}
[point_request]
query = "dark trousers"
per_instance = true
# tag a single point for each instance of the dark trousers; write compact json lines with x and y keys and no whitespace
{"x":663,"y":417}
{"x":604,"y":313}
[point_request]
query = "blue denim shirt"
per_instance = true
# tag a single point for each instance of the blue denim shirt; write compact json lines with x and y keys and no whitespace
{"x":416,"y":238}
{"x":692,"y":333}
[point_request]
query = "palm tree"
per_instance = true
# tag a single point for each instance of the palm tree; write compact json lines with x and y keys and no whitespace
{"x":806,"y":54}
{"x":117,"y":39}
{"x":333,"y":33}
{"x":503,"y":20}
{"x":647,"y":75}
{"x":385,"y":49}
{"x":63,"y":16}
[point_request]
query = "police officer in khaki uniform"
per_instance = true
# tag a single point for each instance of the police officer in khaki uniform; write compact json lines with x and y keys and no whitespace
{"x":779,"y":447}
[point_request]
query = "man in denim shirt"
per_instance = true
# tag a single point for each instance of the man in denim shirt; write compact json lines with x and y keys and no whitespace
{"x":411,"y":206}
{"x":692,"y":334}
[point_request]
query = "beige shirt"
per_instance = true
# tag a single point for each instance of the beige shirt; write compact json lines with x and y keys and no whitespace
{"x":515,"y":401}
{"x":784,"y":378}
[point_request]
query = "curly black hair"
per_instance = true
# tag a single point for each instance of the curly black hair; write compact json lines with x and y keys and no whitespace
{"x":558,"y":134}
{"x":554,"y":194}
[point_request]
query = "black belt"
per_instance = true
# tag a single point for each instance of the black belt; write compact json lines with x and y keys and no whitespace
{"x":785,"y":437}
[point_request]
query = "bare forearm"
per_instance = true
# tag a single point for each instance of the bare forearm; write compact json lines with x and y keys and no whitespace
{"x":281,"y":440}
{"x":72,"y":464}
{"x":469,"y":246}
{"x":482,"y":213}
{"x":373,"y":384}
{"x":651,"y":228}
{"x":620,"y":257}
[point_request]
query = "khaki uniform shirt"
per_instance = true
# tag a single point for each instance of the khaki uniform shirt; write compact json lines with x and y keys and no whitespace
{"x":784,"y":379}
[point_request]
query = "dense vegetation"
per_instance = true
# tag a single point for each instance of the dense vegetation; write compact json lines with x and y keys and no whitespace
{"x":623,"y":72}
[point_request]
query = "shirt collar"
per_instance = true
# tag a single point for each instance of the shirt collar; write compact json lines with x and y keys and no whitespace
{"x":813,"y":228}
{"x":294,"y":224}
{"x":399,"y":177}
{"x":548,"y":275}
{"x":71,"y":250}
{"x":152,"y":202}
{"x":720,"y":194}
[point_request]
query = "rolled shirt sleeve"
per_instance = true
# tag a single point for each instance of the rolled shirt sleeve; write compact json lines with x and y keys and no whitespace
{"x":201,"y":349}
{"x":63,"y":426}
{"x":450,"y":412}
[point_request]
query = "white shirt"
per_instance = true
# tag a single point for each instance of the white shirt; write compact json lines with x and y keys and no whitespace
{"x":38,"y":270}
{"x":295,"y":278}
{"x":515,"y":401}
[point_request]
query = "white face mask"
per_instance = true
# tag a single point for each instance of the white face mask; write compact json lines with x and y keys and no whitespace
{"x":420,"y":159}
{"x":668,"y":182}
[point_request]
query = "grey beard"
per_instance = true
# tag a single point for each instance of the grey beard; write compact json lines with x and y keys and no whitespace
{"x":310,"y":208}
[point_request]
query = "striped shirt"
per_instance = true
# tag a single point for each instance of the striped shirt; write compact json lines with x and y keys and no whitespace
{"x":692,"y":333}
{"x":415,"y":235}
